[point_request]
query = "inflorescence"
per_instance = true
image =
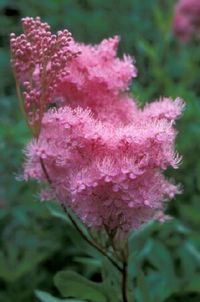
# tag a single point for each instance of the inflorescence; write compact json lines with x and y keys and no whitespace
{"x":104,"y":156}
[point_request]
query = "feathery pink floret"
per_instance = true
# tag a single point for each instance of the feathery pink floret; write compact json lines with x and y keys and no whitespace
{"x":186,"y":23}
{"x":108,"y":174}
{"x":165,"y":108}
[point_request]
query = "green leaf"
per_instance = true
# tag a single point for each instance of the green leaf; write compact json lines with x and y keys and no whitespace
{"x":111,"y":280}
{"x":198,"y":174}
{"x":143,"y":293}
{"x":56,"y":211}
{"x":192,"y":249}
{"x":194,"y":285}
{"x":71,"y":284}
{"x":162,"y":280}
{"x":90,"y":265}
{"x":161,"y":258}
{"x":138,"y":238}
{"x":46,"y":297}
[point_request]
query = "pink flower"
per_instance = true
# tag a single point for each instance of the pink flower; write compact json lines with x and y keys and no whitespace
{"x":186,"y":22}
{"x":109,"y":174}
{"x":97,"y":78}
{"x":102,"y":156}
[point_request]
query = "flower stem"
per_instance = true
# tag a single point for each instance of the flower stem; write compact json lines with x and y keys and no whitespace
{"x":124,"y":282}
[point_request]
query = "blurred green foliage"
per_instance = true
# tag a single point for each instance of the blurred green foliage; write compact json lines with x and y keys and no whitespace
{"x":36,"y":241}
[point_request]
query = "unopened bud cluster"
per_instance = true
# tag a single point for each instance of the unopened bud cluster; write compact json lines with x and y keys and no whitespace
{"x":39,"y":60}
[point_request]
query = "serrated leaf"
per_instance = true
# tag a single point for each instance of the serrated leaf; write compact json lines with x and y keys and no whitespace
{"x":71,"y":284}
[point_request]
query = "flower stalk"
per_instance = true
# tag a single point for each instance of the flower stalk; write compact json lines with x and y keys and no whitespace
{"x":102,"y":156}
{"x":125,"y":282}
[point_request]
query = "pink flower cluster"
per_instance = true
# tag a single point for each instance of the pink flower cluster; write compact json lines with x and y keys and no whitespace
{"x":105,"y":157}
{"x":97,"y":79}
{"x":186,"y":22}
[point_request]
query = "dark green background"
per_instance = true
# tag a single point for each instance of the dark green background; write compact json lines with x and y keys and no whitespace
{"x":34,"y":244}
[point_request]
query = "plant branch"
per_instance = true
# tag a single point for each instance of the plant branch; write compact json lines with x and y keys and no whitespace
{"x":91,"y":242}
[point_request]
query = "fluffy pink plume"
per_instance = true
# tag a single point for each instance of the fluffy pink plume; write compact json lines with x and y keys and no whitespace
{"x":108,"y":174}
{"x":104,"y":156}
{"x":97,"y":79}
{"x":186,"y":22}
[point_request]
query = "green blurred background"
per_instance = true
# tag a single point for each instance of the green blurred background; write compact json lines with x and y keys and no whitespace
{"x":34,"y":245}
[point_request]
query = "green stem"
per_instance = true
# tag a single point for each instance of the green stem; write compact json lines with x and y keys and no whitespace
{"x":124,"y":282}
{"x":21,"y":103}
